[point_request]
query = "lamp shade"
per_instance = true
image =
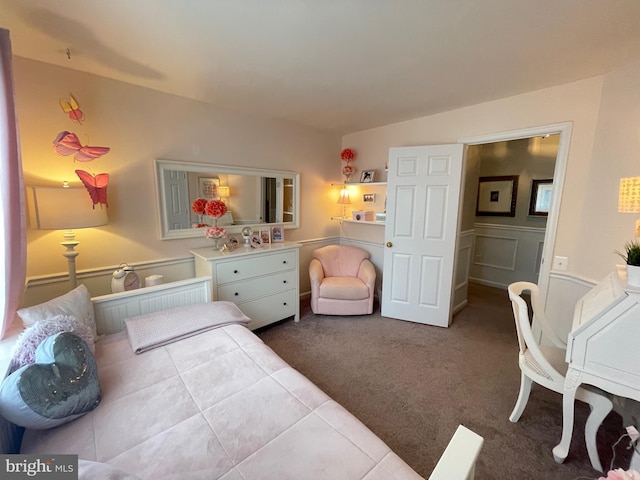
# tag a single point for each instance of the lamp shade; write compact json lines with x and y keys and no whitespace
{"x":223,"y":191}
{"x":58,"y":208}
{"x":344,"y":197}
{"x":629,"y":196}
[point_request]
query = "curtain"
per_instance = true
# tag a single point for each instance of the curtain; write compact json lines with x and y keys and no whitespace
{"x":13,"y":243}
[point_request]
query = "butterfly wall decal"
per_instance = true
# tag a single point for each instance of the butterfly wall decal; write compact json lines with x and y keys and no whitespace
{"x":72,"y":108}
{"x":67,"y":143}
{"x":96,"y":185}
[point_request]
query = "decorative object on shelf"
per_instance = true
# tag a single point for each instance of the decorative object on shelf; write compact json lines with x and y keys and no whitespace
{"x":364,"y":216}
{"x":66,"y":208}
{"x":368,"y":176}
{"x":246,"y":235}
{"x":344,"y":200}
{"x":497,"y":196}
{"x":256,"y":241}
{"x":265,"y":236}
{"x":124,"y":279}
{"x":216,"y":234}
{"x":231,"y":244}
{"x":369,"y":197}
{"x":631,"y":257}
{"x":347,"y":155}
{"x":277,"y":233}
{"x":629,"y":198}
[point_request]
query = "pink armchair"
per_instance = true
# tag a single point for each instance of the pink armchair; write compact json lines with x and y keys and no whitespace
{"x":342,"y":281}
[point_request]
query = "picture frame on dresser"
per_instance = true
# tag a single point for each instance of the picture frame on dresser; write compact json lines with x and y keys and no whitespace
{"x":277,"y":233}
{"x":265,"y":236}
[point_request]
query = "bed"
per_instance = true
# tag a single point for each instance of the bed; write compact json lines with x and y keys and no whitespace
{"x":190,"y":392}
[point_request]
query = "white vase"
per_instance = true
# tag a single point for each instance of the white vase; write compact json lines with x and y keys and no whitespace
{"x":633,"y":275}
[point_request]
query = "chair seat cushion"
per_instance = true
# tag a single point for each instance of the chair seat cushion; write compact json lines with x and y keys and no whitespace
{"x":343,"y":288}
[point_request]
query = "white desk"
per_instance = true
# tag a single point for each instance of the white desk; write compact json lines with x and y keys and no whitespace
{"x":603,"y":348}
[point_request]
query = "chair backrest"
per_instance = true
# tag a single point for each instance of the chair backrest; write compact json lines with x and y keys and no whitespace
{"x":526,"y":338}
{"x":340,"y":260}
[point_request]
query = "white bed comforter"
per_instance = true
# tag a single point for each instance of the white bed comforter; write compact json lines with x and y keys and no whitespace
{"x":220,"y":404}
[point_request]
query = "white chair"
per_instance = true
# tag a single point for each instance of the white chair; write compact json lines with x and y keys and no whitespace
{"x":546,"y":366}
{"x":458,"y":462}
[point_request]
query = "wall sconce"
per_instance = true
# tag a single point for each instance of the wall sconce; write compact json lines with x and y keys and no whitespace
{"x":629,"y":198}
{"x":344,"y":200}
{"x":65,"y":208}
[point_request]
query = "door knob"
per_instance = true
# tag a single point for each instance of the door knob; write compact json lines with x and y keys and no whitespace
{"x":389,"y":244}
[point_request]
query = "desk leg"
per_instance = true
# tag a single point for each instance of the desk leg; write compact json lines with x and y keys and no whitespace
{"x":571,"y":384}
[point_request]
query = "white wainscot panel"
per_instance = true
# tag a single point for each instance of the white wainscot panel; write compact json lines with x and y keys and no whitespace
{"x":504,"y":254}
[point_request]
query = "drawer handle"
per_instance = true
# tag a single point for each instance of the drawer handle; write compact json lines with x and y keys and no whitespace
{"x":284,"y":303}
{"x":284,"y":261}
{"x":235,"y":271}
{"x":236,"y":294}
{"x":284,"y":281}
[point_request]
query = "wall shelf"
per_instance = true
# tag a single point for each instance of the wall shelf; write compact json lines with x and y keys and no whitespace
{"x":342,"y":184}
{"x":349,"y":220}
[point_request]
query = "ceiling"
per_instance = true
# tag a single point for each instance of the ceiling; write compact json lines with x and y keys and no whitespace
{"x":339,"y":65}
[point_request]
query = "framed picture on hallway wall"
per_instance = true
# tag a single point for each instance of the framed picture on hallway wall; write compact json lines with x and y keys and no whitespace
{"x":497,"y":196}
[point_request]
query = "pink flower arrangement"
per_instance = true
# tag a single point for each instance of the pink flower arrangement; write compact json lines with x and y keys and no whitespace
{"x":215,"y":208}
{"x":215,"y":232}
{"x":347,"y":170}
{"x":198,"y":206}
{"x":620,"y":474}
{"x":347,"y":155}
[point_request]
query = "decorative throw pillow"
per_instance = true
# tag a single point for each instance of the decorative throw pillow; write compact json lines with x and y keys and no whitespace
{"x":61,"y":386}
{"x":76,"y":303}
{"x":24,"y":351}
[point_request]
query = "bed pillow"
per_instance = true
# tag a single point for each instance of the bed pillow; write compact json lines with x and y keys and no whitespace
{"x":61,"y":386}
{"x":76,"y":303}
{"x":24,"y":350}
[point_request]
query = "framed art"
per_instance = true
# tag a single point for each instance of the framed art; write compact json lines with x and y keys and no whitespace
{"x":367,"y":176}
{"x":208,"y":187}
{"x":540,"y":202}
{"x":265,"y":236}
{"x":497,"y":196}
{"x":277,"y":233}
{"x":255,"y":241}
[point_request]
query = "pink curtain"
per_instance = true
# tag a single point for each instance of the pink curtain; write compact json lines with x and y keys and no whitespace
{"x":12,"y":212}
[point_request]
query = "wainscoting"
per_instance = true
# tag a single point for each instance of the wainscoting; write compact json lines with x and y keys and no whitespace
{"x":504,"y":254}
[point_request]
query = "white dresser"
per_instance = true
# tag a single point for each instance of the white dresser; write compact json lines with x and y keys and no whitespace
{"x":263,"y":282}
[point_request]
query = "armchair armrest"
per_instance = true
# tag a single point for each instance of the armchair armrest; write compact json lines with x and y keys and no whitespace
{"x":367,"y":273}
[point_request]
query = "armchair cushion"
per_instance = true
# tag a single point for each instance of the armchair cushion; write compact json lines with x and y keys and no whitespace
{"x":344,"y":288}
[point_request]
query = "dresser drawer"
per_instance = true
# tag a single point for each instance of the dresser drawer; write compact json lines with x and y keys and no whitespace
{"x":257,"y":287}
{"x":249,"y":267}
{"x":266,"y":310}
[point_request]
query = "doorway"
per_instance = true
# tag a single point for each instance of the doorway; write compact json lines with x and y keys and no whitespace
{"x":563,"y":131}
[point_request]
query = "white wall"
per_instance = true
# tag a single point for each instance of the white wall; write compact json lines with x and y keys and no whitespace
{"x":141,"y":125}
{"x":578,"y":102}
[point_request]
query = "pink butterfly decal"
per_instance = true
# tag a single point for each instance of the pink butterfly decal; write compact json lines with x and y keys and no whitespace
{"x":72,"y":107}
{"x":67,"y":143}
{"x":96,"y":185}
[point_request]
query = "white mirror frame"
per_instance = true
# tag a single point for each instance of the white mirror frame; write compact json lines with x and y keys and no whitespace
{"x":164,"y":165}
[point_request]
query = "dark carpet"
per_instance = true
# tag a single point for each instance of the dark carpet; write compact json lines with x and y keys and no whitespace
{"x":412,"y":384}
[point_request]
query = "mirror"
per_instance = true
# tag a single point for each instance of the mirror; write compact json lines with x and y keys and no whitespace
{"x":254,"y":197}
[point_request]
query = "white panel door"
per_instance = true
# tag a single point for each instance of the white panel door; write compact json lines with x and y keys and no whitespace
{"x":176,"y":192}
{"x":423,"y":198}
